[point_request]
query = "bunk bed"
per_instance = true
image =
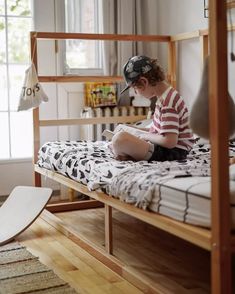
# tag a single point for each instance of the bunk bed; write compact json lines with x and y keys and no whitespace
{"x":218,"y":240}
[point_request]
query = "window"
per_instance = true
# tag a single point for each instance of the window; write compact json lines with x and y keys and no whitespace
{"x":83,"y":56}
{"x":15,"y":127}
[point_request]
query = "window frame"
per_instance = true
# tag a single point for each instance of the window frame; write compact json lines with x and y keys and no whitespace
{"x":6,"y":16}
{"x":99,"y":29}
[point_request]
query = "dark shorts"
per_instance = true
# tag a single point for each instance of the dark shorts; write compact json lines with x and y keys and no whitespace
{"x":165,"y":154}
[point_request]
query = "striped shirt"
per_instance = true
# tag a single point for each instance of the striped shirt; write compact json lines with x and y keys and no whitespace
{"x":171,"y":116}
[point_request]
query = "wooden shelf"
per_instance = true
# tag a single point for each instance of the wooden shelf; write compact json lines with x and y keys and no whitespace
{"x":91,"y":121}
{"x":79,"y":79}
{"x":231,"y":4}
{"x":108,"y":37}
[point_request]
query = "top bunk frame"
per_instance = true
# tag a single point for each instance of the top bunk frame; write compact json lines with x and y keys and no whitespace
{"x":219,"y":240}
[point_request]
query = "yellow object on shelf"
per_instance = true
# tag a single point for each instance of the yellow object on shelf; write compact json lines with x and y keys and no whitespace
{"x":100,"y":94}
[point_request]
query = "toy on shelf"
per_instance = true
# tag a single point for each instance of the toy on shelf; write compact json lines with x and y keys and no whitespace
{"x":100,"y":94}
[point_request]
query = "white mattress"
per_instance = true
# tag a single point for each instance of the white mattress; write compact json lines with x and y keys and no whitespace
{"x":188,"y":200}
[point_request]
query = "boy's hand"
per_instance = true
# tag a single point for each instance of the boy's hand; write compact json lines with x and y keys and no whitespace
{"x":118,"y":128}
{"x":144,"y":137}
{"x":123,"y":158}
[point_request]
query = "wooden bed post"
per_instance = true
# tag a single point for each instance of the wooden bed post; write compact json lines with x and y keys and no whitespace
{"x":204,"y":42}
{"x":218,"y":87}
{"x":108,"y":229}
{"x":36,"y":129}
{"x":172,"y":63}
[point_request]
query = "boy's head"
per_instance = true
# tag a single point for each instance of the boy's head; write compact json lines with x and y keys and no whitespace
{"x":142,"y":66}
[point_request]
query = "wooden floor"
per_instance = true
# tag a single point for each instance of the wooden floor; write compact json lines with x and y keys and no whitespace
{"x":162,"y":259}
{"x":171,"y":263}
{"x":168,"y":261}
{"x":82,"y":271}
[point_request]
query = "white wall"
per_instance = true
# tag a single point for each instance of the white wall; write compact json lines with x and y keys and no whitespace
{"x":180,"y":16}
{"x":14,"y":174}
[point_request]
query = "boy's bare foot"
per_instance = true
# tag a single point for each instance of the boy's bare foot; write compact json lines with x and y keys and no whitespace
{"x":123,"y":157}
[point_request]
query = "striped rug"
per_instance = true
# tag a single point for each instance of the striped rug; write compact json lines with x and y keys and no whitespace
{"x":21,"y":272}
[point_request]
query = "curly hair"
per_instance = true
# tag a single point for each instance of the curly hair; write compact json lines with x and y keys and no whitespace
{"x":155,"y":75}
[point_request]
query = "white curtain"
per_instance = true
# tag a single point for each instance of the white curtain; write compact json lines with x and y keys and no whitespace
{"x":126,"y":17}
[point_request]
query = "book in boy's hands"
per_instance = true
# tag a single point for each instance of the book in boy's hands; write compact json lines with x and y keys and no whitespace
{"x":134,"y":131}
{"x":108,"y":134}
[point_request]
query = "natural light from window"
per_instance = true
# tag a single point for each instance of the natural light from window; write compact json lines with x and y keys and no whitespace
{"x":82,"y":16}
{"x":16,"y":127}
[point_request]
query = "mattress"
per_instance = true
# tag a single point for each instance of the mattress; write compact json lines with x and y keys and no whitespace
{"x":177,"y":189}
{"x":188,"y":200}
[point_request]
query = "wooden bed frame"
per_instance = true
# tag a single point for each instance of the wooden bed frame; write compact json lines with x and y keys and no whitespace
{"x":219,"y":240}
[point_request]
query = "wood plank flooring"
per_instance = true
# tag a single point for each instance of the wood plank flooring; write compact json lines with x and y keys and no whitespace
{"x":165,"y":260}
{"x":172,"y":264}
{"x":74,"y":265}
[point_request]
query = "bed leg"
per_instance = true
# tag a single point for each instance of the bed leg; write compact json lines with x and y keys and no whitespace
{"x":37,"y":180}
{"x":71,"y":194}
{"x":108,"y":229}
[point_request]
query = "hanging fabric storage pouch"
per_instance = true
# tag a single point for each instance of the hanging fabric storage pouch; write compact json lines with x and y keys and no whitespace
{"x":32,"y":93}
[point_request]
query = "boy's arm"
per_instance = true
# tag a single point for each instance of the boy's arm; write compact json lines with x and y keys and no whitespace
{"x":168,"y":140}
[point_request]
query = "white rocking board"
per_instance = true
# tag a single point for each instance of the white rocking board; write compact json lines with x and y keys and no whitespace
{"x":20,"y":210}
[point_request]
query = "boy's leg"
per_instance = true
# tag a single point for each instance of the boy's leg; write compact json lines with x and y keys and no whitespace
{"x":128,"y":145}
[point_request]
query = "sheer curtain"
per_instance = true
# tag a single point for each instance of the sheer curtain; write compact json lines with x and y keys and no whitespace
{"x":127,"y":17}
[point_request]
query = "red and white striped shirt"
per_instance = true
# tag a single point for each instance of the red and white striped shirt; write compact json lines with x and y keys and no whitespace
{"x":171,"y":116}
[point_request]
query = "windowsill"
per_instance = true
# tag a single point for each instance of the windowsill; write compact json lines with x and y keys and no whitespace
{"x":15,"y":160}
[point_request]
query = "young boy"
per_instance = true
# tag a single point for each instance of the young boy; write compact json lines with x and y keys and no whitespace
{"x":169,"y":137}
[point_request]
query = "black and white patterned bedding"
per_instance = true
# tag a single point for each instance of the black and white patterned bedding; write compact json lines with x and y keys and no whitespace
{"x":139,"y":183}
{"x":93,"y":163}
{"x":74,"y":159}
